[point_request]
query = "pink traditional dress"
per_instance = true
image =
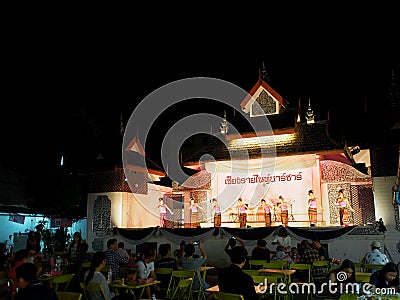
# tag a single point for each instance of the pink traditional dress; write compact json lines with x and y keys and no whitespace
{"x":284,"y":214}
{"x":312,"y":211}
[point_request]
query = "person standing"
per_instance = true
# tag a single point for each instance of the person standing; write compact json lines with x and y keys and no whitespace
{"x":233,"y":280}
{"x":344,"y":207}
{"x":284,"y":211}
{"x":163,"y":208}
{"x":312,"y":208}
{"x":242,"y":211}
{"x":217,"y":212}
{"x":264,"y":210}
{"x":194,"y":214}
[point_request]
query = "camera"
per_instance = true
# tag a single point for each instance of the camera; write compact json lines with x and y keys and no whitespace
{"x":196,"y":242}
{"x":233,"y":237}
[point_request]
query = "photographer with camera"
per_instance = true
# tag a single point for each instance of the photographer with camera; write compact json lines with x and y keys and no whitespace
{"x":232,"y":241}
{"x":189,"y":262}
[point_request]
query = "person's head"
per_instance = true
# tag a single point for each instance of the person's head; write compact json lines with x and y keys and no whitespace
{"x":240,"y":201}
{"x":310,"y":192}
{"x":163,"y":250}
{"x":282,"y":232}
{"x":347,"y":266}
{"x":77,"y":237}
{"x":238,"y":255}
{"x":112,"y":244}
{"x":375,"y":245}
{"x":99,"y":258}
{"x":281,"y":198}
{"x":25,"y":274}
{"x":304,"y":244}
{"x":214,"y":200}
{"x":31,"y":234}
{"x":263,"y":202}
{"x":182,"y":245}
{"x":341,"y":192}
{"x":316,"y":244}
{"x":261,"y":243}
{"x":149,"y":254}
{"x":390,"y":272}
{"x":189,"y":250}
{"x":121,"y":245}
{"x":161,"y":201}
{"x":191,"y":200}
{"x":294,"y":251}
{"x":280,"y":249}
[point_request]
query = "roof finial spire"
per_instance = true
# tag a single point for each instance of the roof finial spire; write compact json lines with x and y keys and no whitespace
{"x":309,"y":113}
{"x":224,"y":125}
{"x":263,"y":73}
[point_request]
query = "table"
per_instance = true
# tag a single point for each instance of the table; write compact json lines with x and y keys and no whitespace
{"x":215,"y":289}
{"x":287,"y":273}
{"x":131,"y":287}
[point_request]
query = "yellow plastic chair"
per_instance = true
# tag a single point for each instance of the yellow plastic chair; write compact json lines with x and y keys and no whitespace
{"x":275,"y":264}
{"x":362,"y":277}
{"x":61,"y":281}
{"x":227,"y":296}
{"x":69,"y":296}
{"x":164,"y":275}
{"x":182,"y":291}
{"x":176,"y":277}
{"x":348,"y":297}
{"x":325,"y":265}
{"x":303,"y":268}
{"x":369,"y":268}
{"x":93,"y":288}
{"x":251,"y":272}
{"x":267,"y":279}
{"x":256,"y":264}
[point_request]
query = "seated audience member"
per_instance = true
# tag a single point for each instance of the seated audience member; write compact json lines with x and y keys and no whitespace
{"x":294,"y":254}
{"x":309,"y":255}
{"x":189,"y":262}
{"x":233,"y":280}
{"x":283,"y":238}
{"x":323,"y":252}
{"x":94,"y":275}
{"x":145,"y":270}
{"x":20,"y":257}
{"x":121,"y":250}
{"x":347,"y":266}
{"x":29,"y":286}
{"x":281,"y":255}
{"x":178,"y":253}
{"x":113,"y":259}
{"x":375,"y":256}
{"x":261,"y":251}
{"x":165,"y":261}
{"x":387,"y":277}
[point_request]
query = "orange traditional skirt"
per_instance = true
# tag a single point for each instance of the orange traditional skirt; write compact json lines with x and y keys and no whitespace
{"x":242,"y":220}
{"x":268,"y":219}
{"x":217,"y":220}
{"x":344,"y":216}
{"x":194,"y":220}
{"x":284,"y":217}
{"x":312,"y":215}
{"x":163,"y":220}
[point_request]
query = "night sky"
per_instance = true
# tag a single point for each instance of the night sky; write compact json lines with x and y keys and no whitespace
{"x":64,"y":95}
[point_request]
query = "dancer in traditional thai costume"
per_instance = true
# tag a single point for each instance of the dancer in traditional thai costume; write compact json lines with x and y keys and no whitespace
{"x":217,"y":213}
{"x":312,"y":208}
{"x":344,"y":207}
{"x":194,"y":214}
{"x":242,"y":211}
{"x":264,"y":212}
{"x":163,"y":212}
{"x":284,"y":211}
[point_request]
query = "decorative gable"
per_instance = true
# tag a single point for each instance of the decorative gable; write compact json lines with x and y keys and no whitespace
{"x":262,"y":100}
